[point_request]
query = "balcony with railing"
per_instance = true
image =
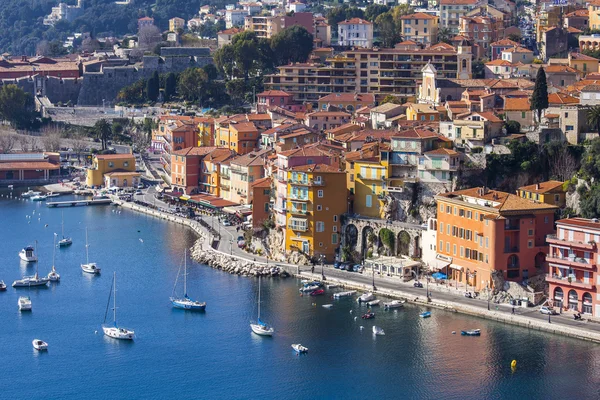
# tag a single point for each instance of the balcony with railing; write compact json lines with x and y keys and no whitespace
{"x":298,"y":225}
{"x":570,"y":261}
{"x":569,"y":280}
{"x":299,"y":196}
{"x":591,"y":245}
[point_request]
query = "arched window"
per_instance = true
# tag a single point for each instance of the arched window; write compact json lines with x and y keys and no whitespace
{"x":573,"y":300}
{"x":587,"y":303}
{"x":464,"y":64}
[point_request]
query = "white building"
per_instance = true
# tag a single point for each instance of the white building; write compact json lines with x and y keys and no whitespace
{"x":452,"y":10}
{"x":428,"y":243}
{"x":296,"y":7}
{"x":64,"y":12}
{"x":355,"y":32}
{"x":235,"y":18}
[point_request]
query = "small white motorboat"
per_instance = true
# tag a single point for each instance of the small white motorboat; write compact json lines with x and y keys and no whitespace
{"x":378,"y":331}
{"x":28,"y":254}
{"x":365,"y":297}
{"x":394,"y":304}
{"x":339,"y":295}
{"x":39,"y":345}
{"x":332,"y":286}
{"x":30,"y":193}
{"x":327,"y":305}
{"x":309,"y":288}
{"x":24,"y":303}
{"x":52,"y":194}
{"x":298,"y":348}
{"x":2,"y":286}
{"x":373,"y":303}
{"x":39,"y":197}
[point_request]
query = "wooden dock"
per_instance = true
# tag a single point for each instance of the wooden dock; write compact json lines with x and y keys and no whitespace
{"x":73,"y":203}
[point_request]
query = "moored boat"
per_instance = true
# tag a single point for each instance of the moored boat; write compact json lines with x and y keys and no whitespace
{"x":394,"y":304}
{"x":31,"y":281}
{"x":185,"y":302}
{"x":24,"y":303}
{"x":317,"y":292}
{"x":30,"y":193}
{"x":327,"y":305}
{"x":348,"y":293}
{"x":88,"y":267}
{"x":53,"y":276}
{"x":425,"y":314}
{"x":113,"y":330}
{"x":298,"y":348}
{"x":369,"y":315}
{"x":65,"y":241}
{"x":378,"y":331}
{"x":472,"y":332}
{"x":261,"y":328}
{"x":2,"y":286}
{"x":309,"y":288}
{"x":39,"y":345}
{"x":39,"y":197}
{"x":27,"y":254}
{"x":373,"y":303}
{"x":332,"y":286}
{"x":52,"y":194}
{"x":366,"y":297}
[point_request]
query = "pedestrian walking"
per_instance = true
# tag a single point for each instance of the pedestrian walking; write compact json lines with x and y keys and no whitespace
{"x":513,"y":309}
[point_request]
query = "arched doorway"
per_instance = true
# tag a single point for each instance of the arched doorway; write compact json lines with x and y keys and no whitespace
{"x":540,"y":259}
{"x":573,"y":300}
{"x":351,"y":236}
{"x":386,"y":242}
{"x":403,"y":243}
{"x":368,"y":239}
{"x":512,"y":265}
{"x":417,"y":249}
{"x":558,"y":297}
{"x":587,"y":303}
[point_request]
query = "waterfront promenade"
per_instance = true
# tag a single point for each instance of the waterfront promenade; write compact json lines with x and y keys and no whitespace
{"x":440,"y":297}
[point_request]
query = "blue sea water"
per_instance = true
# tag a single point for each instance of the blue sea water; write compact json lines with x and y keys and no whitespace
{"x":214,"y":355}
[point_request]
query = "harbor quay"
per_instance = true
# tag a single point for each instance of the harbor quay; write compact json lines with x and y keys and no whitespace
{"x":430,"y":296}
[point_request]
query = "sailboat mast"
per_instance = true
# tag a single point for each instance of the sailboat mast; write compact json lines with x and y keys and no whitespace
{"x":36,"y":264}
{"x":185,"y":273}
{"x":115,"y":297}
{"x":259,"y":298}
{"x":87,"y":251}
{"x":62,"y":223}
{"x":54,"y":251}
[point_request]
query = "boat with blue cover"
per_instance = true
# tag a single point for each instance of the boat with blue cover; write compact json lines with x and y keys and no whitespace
{"x":425,"y":314}
{"x":472,"y":332}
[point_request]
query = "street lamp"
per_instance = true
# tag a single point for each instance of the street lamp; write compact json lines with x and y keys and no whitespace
{"x":373,"y":268}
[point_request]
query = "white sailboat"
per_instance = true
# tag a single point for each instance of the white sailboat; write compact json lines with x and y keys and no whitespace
{"x":90,"y":268}
{"x":185,"y":302}
{"x":113,"y":330}
{"x":261,"y":328}
{"x":65,"y":241}
{"x":53,"y":276}
{"x":29,"y":281}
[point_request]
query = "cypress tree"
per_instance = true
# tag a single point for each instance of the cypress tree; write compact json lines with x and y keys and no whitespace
{"x":152,"y":87}
{"x":539,"y":98}
{"x":170,"y":85}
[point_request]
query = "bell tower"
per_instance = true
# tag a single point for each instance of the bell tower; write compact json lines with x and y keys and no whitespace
{"x":464,"y":57}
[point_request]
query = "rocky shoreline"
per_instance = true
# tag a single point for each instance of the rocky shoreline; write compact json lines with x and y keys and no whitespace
{"x":234,"y":265}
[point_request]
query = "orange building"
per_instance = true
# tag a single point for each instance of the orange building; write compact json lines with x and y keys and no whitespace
{"x":485,"y":232}
{"x":572,"y":261}
{"x":185,"y":168}
{"x":243,"y":137}
{"x":210,"y":170}
{"x":261,"y":201}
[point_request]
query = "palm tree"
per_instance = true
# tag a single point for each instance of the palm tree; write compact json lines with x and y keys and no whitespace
{"x":593,"y":117}
{"x":444,"y":35}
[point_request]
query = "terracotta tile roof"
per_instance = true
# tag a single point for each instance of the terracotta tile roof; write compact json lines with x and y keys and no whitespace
{"x":490,"y":116}
{"x":262,"y":183}
{"x":316,"y":168}
{"x":504,"y":42}
{"x":123,"y":173}
{"x":355,"y":21}
{"x":580,"y":222}
{"x":194,"y":151}
{"x":560,"y":98}
{"x":123,"y":156}
{"x":559,"y":68}
{"x":517,"y":49}
{"x":516,"y":104}
{"x":579,"y":13}
{"x":583,"y":57}
{"x":442,"y":151}
{"x":544,"y":187}
{"x":386,"y":107}
{"x":317,"y":114}
{"x":499,"y":62}
{"x":345,"y":128}
{"x":348,"y":97}
{"x":572,"y":29}
{"x":418,"y":15}
{"x":280,"y":93}
{"x":251,"y":159}
{"x":422,"y":108}
{"x":520,"y":93}
{"x":502,"y":201}
{"x":459,"y":2}
{"x":591,"y":88}
{"x":232,"y":31}
{"x":258,"y":117}
{"x":416,"y":133}
{"x":551,"y":116}
{"x":244,"y":127}
{"x":27,"y":165}
{"x":219,"y":154}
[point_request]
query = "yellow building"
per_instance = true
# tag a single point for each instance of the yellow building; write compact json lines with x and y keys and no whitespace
{"x":103,"y":164}
{"x":583,"y":63}
{"x":421,"y":112}
{"x":316,"y":199}
{"x":369,"y":180}
{"x":550,"y":192}
{"x":594,"y":14}
{"x":176,"y":23}
{"x":206,"y":132}
{"x":420,"y":28}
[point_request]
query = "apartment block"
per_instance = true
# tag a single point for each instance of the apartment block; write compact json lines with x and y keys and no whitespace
{"x":355,"y":32}
{"x":264,"y":26}
{"x":452,"y":10}
{"x":485,"y":232}
{"x":420,"y":28}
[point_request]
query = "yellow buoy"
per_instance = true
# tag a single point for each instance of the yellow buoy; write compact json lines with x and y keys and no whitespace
{"x":513,"y":364}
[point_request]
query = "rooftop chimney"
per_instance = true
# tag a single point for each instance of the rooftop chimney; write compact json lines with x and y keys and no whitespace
{"x":537,"y":186}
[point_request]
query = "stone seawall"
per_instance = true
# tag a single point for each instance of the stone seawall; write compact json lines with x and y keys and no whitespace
{"x":243,"y":266}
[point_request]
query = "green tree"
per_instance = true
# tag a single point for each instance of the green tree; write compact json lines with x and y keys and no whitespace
{"x":211,"y":71}
{"x":589,"y":203}
{"x":444,"y":35}
{"x":152,"y":87}
{"x":515,"y":37}
{"x":16,"y":106}
{"x":478,"y":69}
{"x":103,"y":131}
{"x":170,"y":86}
{"x":293,"y":44}
{"x":134,"y":93}
{"x":388,"y":30}
{"x":374,"y":10}
{"x":191,"y":84}
{"x":247,"y":55}
{"x":513,"y":127}
{"x":539,"y":98}
{"x":339,"y":14}
{"x":590,"y":166}
{"x":593,"y":117}
{"x":391,"y":99}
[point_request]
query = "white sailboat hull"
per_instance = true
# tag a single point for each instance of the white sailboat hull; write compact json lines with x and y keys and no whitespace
{"x":23,"y":256}
{"x":262,"y":330}
{"x":29,"y":281}
{"x":188,"y":304}
{"x":39,"y":345}
{"x":118,"y":333}
{"x":90,"y":268}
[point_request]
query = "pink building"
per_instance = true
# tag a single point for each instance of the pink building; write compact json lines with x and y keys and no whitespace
{"x":573,"y":265}
{"x":276,"y":98}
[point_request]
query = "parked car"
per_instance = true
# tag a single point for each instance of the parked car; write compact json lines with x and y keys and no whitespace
{"x":336,"y":265}
{"x":226,"y":223}
{"x":548,"y":310}
{"x":241,"y":243}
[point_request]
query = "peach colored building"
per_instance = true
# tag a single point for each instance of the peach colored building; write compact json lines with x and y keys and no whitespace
{"x":573,"y":265}
{"x":261,"y":204}
{"x":245,"y":170}
{"x":484,"y":232}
